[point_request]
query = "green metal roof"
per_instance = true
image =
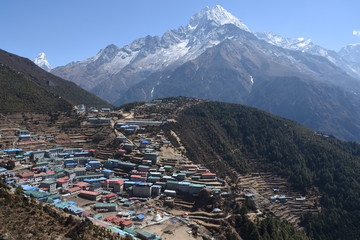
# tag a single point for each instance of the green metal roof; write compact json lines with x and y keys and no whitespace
{"x":145,"y":233}
{"x":128,"y":203}
{"x":59,"y":170}
{"x":79,"y":169}
{"x":129,"y":230}
{"x":153,"y":177}
{"x":55,"y":196}
{"x":143,"y":166}
{"x":42,"y":163}
{"x":49,"y":181}
{"x":173,"y":182}
{"x":61,"y":204}
{"x":60,"y":175}
{"x":37,"y":194}
{"x":100,"y":205}
{"x":96,"y":184}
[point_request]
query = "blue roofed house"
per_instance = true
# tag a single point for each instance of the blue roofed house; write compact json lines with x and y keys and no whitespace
{"x":3,"y":171}
{"x":93,"y":164}
{"x":108,"y":173}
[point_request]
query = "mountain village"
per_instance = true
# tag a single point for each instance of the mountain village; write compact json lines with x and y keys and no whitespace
{"x":130,"y":195}
{"x":121,"y":172}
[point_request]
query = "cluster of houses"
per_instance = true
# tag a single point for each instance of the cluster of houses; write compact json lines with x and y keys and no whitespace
{"x":82,"y":109}
{"x":55,"y":175}
{"x":70,"y":171}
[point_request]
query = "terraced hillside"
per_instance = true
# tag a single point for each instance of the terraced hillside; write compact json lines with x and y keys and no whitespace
{"x":55,"y":129}
{"x":256,"y":144}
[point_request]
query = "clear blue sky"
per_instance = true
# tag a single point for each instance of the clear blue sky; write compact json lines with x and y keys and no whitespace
{"x":73,"y":30}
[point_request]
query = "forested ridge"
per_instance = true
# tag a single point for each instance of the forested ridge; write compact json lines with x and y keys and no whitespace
{"x":220,"y":134}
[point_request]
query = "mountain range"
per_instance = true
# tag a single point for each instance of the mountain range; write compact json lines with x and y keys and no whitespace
{"x":217,"y":57}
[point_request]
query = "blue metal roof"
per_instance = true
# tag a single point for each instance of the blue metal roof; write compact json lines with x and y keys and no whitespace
{"x":28,"y":187}
{"x":94,"y":180}
{"x":13,"y":150}
{"x":144,"y":141}
{"x":78,"y":153}
{"x":94,"y":162}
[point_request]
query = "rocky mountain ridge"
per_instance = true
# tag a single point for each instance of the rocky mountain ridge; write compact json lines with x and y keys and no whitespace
{"x":114,"y":70}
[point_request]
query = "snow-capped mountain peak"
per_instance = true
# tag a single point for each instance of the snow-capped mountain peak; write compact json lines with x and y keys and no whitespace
{"x":351,"y":52}
{"x":217,"y":15}
{"x":42,"y":62}
{"x":299,"y":44}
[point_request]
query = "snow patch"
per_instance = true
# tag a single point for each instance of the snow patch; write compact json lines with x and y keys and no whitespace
{"x":152,"y":92}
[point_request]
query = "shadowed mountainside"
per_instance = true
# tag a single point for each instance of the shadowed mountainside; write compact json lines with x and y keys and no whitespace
{"x":67,"y":90}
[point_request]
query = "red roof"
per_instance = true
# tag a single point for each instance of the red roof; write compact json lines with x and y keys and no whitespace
{"x":101,"y":210}
{"x":89,"y":193}
{"x":127,"y":223}
{"x":117,"y":221}
{"x":82,"y":184}
{"x":61,"y":180}
{"x":190,"y":166}
{"x":208,"y":174}
{"x":111,"y":180}
{"x":40,"y":174}
{"x":110,"y":195}
{"x":25,"y":175}
{"x":137,"y":176}
{"x":74,"y":189}
{"x":160,"y":183}
{"x":87,"y":214}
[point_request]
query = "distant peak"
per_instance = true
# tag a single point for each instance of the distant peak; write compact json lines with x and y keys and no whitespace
{"x":112,"y":46}
{"x":109,"y":50}
{"x":217,"y":15}
{"x":42,"y":62}
{"x":354,"y":44}
{"x":41,"y":55}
